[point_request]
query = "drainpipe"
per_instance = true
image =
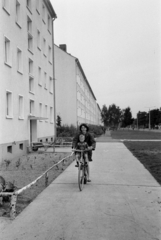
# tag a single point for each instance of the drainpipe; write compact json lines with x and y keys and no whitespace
{"x":54,"y":92}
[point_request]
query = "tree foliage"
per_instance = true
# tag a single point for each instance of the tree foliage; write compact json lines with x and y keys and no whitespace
{"x":127,"y":119}
{"x":111,"y":116}
{"x":58,"y":121}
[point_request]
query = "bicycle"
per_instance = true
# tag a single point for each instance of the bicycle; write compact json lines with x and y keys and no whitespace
{"x":82,"y":169}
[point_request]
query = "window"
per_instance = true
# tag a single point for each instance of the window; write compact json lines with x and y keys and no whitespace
{"x":19,"y":60}
{"x":40,"y":109}
{"x":9,"y":104}
{"x":18,"y":13}
{"x":31,"y":84}
{"x":38,"y":40}
{"x":49,"y":54}
{"x":31,"y":107}
{"x":46,"y":112}
{"x":21,"y":146}
{"x":6,"y":6}
{"x":38,"y":6}
{"x":44,"y":47}
{"x":29,"y":25}
{"x":9,"y":149}
{"x":30,"y":67}
{"x":28,"y":2}
{"x":49,"y":24}
{"x":39,"y":76}
{"x":21,"y":107}
{"x":78,"y":95}
{"x":51,"y":115}
{"x":30,"y":42}
{"x":45,"y":82}
{"x":7,"y":48}
{"x":43,"y":13}
{"x":50,"y":84}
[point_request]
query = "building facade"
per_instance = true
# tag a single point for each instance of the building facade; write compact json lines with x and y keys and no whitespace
{"x":75,"y":100}
{"x":27,"y":73}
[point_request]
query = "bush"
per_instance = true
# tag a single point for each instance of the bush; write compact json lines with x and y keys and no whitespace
{"x":95,"y":130}
{"x":70,"y":131}
{"x":66,"y":131}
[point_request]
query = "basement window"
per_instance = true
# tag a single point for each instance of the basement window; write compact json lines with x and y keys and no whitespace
{"x":21,"y":146}
{"x":9,"y":149}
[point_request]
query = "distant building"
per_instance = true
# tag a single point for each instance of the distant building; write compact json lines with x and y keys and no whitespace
{"x":75,"y":100}
{"x":26,"y":73}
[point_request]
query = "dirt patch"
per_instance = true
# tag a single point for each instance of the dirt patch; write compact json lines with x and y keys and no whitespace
{"x":149,"y":154}
{"x":26,"y":169}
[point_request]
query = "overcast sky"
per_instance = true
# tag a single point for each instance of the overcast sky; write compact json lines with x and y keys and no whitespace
{"x":118,"y":45}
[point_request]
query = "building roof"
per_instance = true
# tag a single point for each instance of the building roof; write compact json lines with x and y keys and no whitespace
{"x":81,"y":69}
{"x":99,"y":107}
{"x":50,"y":8}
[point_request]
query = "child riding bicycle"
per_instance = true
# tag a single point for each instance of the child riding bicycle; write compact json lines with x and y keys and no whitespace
{"x":81,"y":145}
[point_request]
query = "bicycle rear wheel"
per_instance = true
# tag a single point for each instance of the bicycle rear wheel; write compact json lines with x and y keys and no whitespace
{"x":81,"y":177}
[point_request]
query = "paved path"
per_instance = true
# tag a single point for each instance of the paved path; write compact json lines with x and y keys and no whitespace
{"x":123,"y":202}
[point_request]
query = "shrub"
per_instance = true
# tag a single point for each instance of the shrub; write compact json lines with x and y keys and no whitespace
{"x":66,"y":131}
{"x":70,"y":131}
{"x":95,"y":130}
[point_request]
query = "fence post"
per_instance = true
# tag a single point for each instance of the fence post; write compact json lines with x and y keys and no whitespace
{"x":46,"y":179}
{"x":13,"y":206}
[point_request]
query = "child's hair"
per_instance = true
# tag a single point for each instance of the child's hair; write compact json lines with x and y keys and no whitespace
{"x":81,"y":137}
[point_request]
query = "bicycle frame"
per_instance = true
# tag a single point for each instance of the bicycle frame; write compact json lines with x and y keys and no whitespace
{"x":82,"y":170}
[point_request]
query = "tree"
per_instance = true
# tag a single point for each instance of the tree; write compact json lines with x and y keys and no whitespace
{"x":142,"y":119}
{"x":155,"y":117}
{"x":58,"y":121}
{"x":127,"y":117}
{"x":111,"y":116}
{"x":104,"y":115}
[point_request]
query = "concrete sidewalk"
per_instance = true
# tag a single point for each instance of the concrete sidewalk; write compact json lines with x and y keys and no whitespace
{"x":123,"y":202}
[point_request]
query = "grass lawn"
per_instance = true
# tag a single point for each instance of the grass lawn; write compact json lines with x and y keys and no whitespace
{"x":148,"y":153}
{"x":132,"y":134}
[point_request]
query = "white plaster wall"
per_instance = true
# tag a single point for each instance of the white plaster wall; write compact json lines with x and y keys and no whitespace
{"x":15,"y":129}
{"x":65,"y":74}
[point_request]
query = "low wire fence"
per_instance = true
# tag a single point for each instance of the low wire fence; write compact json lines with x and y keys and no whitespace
{"x":14,"y":195}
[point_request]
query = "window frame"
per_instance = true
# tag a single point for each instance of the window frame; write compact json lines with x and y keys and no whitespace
{"x":39,"y":76}
{"x":21,"y":108}
{"x":50,"y":54}
{"x":6,"y":7}
{"x":29,"y":5}
{"x":46,"y":112}
{"x":7,"y":52}
{"x":40,"y":110}
{"x":30,"y":44}
{"x":9,"y":105}
{"x":31,"y":107}
{"x":31,"y":85}
{"x":38,"y":39}
{"x":29,"y":25}
{"x":51,"y":84}
{"x":43,"y":13}
{"x":19,"y":61}
{"x":45,"y":80}
{"x":51,"y":115}
{"x":30,"y":67}
{"x":18,"y":14}
{"x":38,"y":6}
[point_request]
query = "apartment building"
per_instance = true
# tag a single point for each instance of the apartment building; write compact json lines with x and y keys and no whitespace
{"x":26,"y":73}
{"x":75,"y":100}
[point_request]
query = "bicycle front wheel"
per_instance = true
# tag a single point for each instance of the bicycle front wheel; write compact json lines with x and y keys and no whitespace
{"x":81,"y":177}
